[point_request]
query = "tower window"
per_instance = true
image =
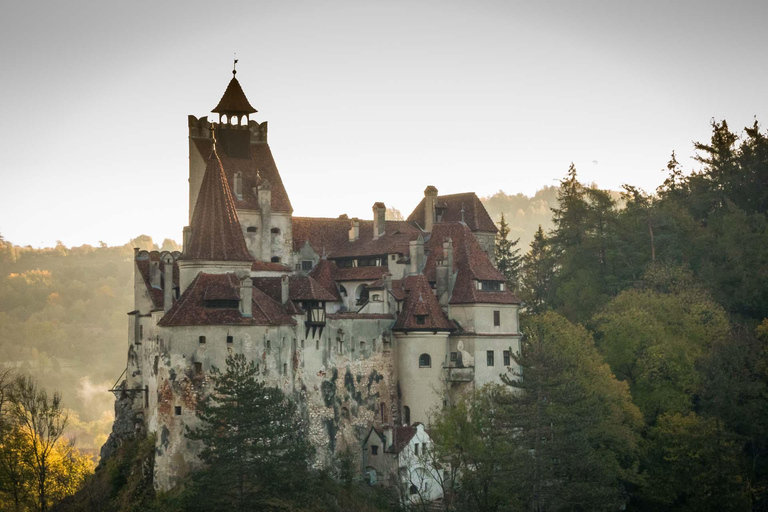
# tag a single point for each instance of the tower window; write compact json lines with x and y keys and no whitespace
{"x":425,"y":361}
{"x":230,"y":339}
{"x":275,"y":231}
{"x":275,"y":259}
{"x":252,"y":229}
{"x":489,"y":357}
{"x":407,"y":415}
{"x":496,"y":318}
{"x":201,"y":339}
{"x":177,"y":410}
{"x":306,"y":265}
{"x":198,"y":368}
{"x":506,"y":358}
{"x":285,"y":368}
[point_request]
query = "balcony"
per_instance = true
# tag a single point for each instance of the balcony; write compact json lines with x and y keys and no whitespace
{"x":459,"y":374}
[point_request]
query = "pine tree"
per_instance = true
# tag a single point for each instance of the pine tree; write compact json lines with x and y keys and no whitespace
{"x":255,"y":444}
{"x":508,"y":259}
{"x":537,"y":274}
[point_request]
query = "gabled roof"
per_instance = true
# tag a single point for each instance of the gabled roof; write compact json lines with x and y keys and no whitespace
{"x":143,"y":263}
{"x":254,"y":170}
{"x":475,"y":215}
{"x":469,"y":261}
{"x":191,"y":307}
{"x":324,"y":273}
{"x":215,"y":229}
{"x":401,"y":436}
{"x":234,"y":101}
{"x":421,"y":301}
{"x":323,"y":234}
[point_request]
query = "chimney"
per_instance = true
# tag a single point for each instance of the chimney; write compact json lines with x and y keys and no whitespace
{"x":379,"y":222}
{"x":185,"y":238}
{"x":430,"y":198}
{"x":444,"y":273}
{"x":155,"y":277}
{"x":239,"y":185}
{"x":354,"y":229}
{"x":416,"y":248}
{"x":285,"y":289}
{"x":246,"y":296}
{"x":168,"y":284}
{"x":265,"y":205}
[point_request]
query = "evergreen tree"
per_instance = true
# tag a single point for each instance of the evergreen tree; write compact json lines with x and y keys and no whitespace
{"x":255,"y":444}
{"x":573,"y":418}
{"x":537,"y":274}
{"x":508,"y":259}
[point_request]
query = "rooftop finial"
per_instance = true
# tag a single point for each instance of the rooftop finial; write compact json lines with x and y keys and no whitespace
{"x":234,"y":67}
{"x":462,"y":213}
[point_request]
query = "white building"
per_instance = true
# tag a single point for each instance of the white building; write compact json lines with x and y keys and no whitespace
{"x":363,"y":322}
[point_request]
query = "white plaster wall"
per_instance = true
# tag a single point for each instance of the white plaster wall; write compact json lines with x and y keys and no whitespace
{"x":251,"y":218}
{"x":422,"y":388}
{"x":479,"y":317}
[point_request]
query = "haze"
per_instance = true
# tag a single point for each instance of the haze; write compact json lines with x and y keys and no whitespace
{"x":360,"y":98}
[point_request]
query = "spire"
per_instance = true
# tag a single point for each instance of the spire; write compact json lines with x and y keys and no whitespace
{"x":234,"y":101}
{"x":216,"y":233}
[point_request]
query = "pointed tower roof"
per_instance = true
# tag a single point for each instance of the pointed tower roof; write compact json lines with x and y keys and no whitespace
{"x":234,"y":100}
{"x":216,"y":233}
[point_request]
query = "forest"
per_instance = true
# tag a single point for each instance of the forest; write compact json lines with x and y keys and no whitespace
{"x":644,"y":363}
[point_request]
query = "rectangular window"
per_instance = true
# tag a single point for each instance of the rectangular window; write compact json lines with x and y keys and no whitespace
{"x":421,"y":319}
{"x":141,"y":332}
{"x":306,"y":265}
{"x":198,"y":368}
{"x":201,"y":339}
{"x":177,"y":410}
{"x":490,"y":286}
{"x":506,"y":358}
{"x":454,"y":357}
{"x":374,"y":450}
{"x":496,"y":318}
{"x":230,"y":339}
{"x":489,"y":357}
{"x":416,"y":448}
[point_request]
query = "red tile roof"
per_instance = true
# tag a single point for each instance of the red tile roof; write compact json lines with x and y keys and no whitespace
{"x":401,"y":436}
{"x":191,"y":308}
{"x":395,"y":240}
{"x":215,"y":229}
{"x":260,"y":166}
{"x":269,"y":266}
{"x":470,"y":262}
{"x":475,"y":215}
{"x":142,"y":264}
{"x":299,"y":288}
{"x":234,"y":101}
{"x":322,"y":234}
{"x":324,"y":273}
{"x":421,"y":301}
{"x":360,"y":273}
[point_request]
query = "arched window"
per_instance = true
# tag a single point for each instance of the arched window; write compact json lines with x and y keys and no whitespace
{"x":252,"y":229}
{"x":342,"y":290}
{"x":425,"y":361}
{"x":407,"y":415}
{"x":201,"y":339}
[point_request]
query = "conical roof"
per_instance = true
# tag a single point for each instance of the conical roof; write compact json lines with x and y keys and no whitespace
{"x":234,"y":100}
{"x":216,"y":234}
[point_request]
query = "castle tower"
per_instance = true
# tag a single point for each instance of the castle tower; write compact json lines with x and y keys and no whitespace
{"x":262,"y":204}
{"x":215,"y":243}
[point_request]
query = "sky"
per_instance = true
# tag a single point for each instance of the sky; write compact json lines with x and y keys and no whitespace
{"x":366,"y":100}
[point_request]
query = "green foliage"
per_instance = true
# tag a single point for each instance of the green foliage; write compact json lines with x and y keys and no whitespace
{"x":255,"y":443}
{"x":537,"y":275}
{"x":655,"y":341}
{"x":508,"y":259}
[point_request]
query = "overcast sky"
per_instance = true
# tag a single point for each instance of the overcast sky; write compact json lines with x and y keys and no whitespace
{"x":366,"y":101}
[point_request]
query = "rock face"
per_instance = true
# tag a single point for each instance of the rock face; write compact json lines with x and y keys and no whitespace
{"x":129,"y":422}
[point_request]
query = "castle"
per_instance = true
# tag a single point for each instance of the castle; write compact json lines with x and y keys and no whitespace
{"x":365,"y":323}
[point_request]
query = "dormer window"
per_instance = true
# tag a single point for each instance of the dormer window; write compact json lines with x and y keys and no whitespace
{"x":421,"y":319}
{"x":490,"y":286}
